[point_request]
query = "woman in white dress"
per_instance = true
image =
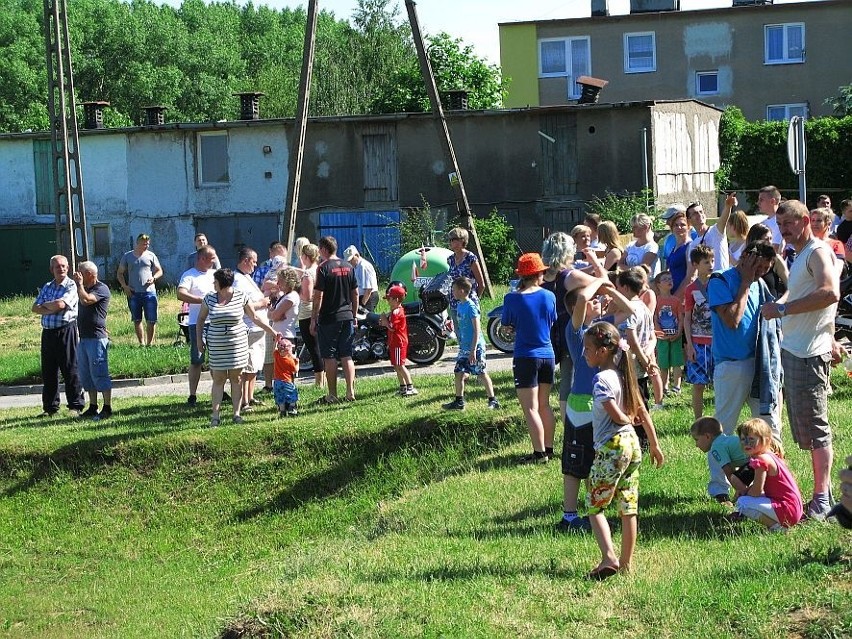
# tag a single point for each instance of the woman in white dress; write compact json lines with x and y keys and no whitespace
{"x":227,"y":340}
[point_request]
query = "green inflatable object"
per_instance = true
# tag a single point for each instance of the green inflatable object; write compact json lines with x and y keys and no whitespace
{"x":407,"y":270}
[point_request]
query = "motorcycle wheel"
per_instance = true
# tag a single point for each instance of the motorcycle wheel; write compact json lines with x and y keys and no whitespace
{"x":501,"y":337}
{"x":424,"y":345}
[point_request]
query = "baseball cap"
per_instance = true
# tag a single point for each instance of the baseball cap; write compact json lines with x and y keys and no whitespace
{"x":396,"y":292}
{"x":673,"y":210}
{"x":350,"y":252}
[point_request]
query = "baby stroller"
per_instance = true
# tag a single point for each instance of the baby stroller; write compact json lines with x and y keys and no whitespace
{"x":183,"y":324}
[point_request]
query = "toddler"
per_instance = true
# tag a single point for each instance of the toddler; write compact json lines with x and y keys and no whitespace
{"x":773,"y":498}
{"x":397,"y":326}
{"x":286,"y":367}
{"x":726,"y":459}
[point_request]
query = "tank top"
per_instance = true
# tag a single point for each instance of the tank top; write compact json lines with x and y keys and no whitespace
{"x":305,"y":308}
{"x":807,"y":334}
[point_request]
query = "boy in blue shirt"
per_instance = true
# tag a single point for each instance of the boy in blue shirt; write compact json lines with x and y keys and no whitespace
{"x":726,"y":459}
{"x":471,"y":357}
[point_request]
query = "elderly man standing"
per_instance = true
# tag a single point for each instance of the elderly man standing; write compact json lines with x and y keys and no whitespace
{"x":93,"y":360}
{"x":137,"y":272}
{"x":365,"y":276}
{"x":57,"y":304}
{"x":246,"y":264}
{"x":335,"y":303}
{"x":193,"y":286}
{"x":808,"y":348}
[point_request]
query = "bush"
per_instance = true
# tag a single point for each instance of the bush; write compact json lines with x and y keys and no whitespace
{"x":499,"y":248}
{"x":620,"y":208}
{"x":419,"y":227}
{"x":754,"y":154}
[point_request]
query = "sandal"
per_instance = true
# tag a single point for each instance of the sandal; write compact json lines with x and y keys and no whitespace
{"x":349,"y":399}
{"x":327,"y":400}
{"x":602,"y":572}
{"x":214,"y":421}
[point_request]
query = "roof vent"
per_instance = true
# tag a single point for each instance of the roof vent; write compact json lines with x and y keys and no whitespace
{"x":249,"y":104}
{"x":155,"y":115}
{"x":650,"y":6}
{"x":93,"y":114}
{"x":590,"y":89}
{"x":455,"y":100}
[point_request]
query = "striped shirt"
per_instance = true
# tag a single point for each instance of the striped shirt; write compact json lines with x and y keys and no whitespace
{"x":67,"y":292}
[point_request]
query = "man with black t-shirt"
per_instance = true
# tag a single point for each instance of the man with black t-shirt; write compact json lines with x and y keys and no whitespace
{"x":335,"y":303}
{"x":93,"y":353}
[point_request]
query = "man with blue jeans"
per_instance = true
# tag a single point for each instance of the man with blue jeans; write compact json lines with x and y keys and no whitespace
{"x":193,"y":286}
{"x":734,"y":297}
{"x":93,"y":356}
{"x":137,"y":272}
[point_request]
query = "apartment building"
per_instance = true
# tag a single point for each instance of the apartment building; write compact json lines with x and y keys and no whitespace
{"x":773,"y":61}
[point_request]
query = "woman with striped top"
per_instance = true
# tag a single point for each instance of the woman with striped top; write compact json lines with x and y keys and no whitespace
{"x":227,"y":340}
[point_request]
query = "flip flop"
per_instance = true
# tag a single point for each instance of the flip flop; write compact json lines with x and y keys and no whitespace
{"x":326,"y":400}
{"x":349,"y":399}
{"x":604,"y":572}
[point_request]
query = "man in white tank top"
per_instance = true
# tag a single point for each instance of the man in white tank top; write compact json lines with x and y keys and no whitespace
{"x":808,"y":348}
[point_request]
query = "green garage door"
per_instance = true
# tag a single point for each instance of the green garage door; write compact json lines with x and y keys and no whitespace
{"x":25,"y":258}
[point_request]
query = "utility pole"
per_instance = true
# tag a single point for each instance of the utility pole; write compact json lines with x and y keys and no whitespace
{"x":68,"y":202}
{"x":297,"y":147}
{"x":438,"y":111}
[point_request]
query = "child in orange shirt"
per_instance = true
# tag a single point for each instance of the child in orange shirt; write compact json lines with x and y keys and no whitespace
{"x":397,"y":326}
{"x":283,"y":387}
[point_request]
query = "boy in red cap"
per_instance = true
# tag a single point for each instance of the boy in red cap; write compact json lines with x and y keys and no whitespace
{"x":397,"y":327}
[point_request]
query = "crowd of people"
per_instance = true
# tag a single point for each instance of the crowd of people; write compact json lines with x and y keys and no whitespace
{"x":748,"y":310}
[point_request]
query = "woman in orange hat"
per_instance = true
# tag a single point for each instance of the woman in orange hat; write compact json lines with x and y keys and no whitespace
{"x":531,"y":311}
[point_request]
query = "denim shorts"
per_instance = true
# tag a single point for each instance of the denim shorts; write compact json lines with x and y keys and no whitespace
{"x":93,"y":363}
{"x":143,"y":303}
{"x":335,"y":339}
{"x":196,"y":358}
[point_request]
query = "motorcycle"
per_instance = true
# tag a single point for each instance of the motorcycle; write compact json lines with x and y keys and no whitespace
{"x":426,"y":320}
{"x":843,"y":317}
{"x":501,"y":337}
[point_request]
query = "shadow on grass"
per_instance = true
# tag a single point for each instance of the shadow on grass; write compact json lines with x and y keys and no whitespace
{"x":365,"y":450}
{"x":89,"y":456}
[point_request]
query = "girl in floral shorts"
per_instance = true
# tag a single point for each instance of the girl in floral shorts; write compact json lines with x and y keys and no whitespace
{"x":615,"y":471}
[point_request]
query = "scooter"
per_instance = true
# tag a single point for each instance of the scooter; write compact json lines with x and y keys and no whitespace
{"x":501,"y":337}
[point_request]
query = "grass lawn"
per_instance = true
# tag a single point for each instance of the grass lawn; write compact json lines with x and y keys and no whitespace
{"x":383,"y":518}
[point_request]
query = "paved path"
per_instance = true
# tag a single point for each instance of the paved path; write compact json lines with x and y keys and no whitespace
{"x":30,"y":396}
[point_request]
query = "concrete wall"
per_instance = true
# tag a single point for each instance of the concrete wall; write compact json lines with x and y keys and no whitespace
{"x":729,"y":40}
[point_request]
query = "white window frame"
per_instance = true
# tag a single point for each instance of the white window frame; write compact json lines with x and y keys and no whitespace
{"x":201,"y":136}
{"x":706,"y":74}
{"x":784,"y":59}
{"x":627,"y":67}
{"x":574,"y":89}
{"x":787,"y":107}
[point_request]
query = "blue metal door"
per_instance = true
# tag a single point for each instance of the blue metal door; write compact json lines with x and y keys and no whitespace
{"x":375,"y":233}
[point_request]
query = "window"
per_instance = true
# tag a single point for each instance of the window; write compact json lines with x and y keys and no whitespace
{"x":213,"y":158}
{"x":775,"y":112}
{"x":784,"y":43}
{"x":706,"y":83}
{"x":100,"y":239}
{"x":640,"y":52}
{"x":565,"y":58}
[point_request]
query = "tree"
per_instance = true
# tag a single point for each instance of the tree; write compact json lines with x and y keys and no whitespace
{"x":842,"y":102}
{"x":455,"y":66}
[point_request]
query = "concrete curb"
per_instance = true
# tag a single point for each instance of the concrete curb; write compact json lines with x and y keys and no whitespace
{"x":160,"y":380}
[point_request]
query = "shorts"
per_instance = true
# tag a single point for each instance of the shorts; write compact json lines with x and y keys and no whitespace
{"x":335,"y":339}
{"x":529,"y":372}
{"x":669,"y":354}
{"x":463,"y":364}
{"x":397,"y":354}
{"x":93,"y":363}
{"x":578,"y":450}
{"x":256,"y":351}
{"x":269,"y":349}
{"x":701,"y":370}
{"x":615,"y":473}
{"x":143,"y":303}
{"x":285,"y":392}
{"x":196,"y":358}
{"x":806,"y":391}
